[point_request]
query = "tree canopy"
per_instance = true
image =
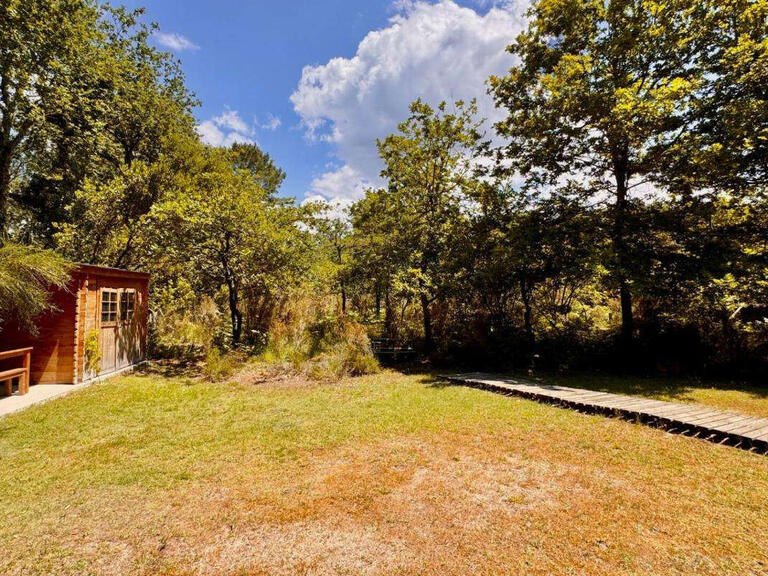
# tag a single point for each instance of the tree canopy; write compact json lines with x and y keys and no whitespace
{"x":618,"y":219}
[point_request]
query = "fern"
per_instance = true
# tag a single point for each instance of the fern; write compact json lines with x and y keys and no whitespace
{"x":26,"y":276}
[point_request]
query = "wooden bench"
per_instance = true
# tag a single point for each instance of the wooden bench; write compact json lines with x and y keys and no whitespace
{"x":22,"y":373}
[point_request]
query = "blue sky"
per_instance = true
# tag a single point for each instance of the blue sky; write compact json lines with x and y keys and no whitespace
{"x":314,"y":83}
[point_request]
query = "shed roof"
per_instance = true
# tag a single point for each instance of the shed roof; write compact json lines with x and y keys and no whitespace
{"x":91,"y":269}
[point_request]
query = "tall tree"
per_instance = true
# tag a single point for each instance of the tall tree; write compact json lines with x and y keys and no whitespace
{"x":223,"y":231}
{"x":523,"y":241}
{"x":333,"y":234}
{"x":45,"y":47}
{"x":428,"y":167}
{"x":377,"y":252}
{"x":727,"y":148}
{"x":83,"y":95}
{"x":602,"y":89}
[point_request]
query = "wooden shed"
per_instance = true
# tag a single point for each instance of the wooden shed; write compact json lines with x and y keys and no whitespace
{"x":101,"y":305}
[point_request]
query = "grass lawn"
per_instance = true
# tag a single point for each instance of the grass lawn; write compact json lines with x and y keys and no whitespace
{"x":388,"y":474}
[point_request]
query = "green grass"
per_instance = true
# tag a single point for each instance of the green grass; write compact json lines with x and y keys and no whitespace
{"x":158,"y":432}
{"x":380,"y":474}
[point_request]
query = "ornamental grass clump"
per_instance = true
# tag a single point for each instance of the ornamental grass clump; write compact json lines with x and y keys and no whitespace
{"x":341,"y":348}
{"x":26,"y":276}
{"x":327,"y":348}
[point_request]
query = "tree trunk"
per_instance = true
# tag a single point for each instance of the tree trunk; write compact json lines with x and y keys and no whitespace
{"x":5,"y":190}
{"x":429,"y":343}
{"x":341,"y":282}
{"x":387,"y":314}
{"x":530,"y":336}
{"x":621,"y":173}
{"x":627,"y":318}
{"x":235,"y":315}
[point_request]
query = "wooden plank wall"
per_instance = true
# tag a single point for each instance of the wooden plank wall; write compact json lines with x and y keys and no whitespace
{"x":58,"y":356}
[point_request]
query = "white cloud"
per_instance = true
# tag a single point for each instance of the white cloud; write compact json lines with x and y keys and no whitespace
{"x":343,"y":183}
{"x":175,"y":42}
{"x":336,"y":208}
{"x":272,"y":123}
{"x":436,"y":51}
{"x":209,"y":133}
{"x":231,"y":120}
{"x":226,"y":129}
{"x":402,"y":5}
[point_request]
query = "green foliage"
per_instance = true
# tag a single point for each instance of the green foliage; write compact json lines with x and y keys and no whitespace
{"x":323,"y":347}
{"x":603,"y":91}
{"x":230,"y":237}
{"x":26,"y":275}
{"x":332,"y":268}
{"x":633,"y":165}
{"x":84,"y":95}
{"x":187,"y":323}
{"x":92,"y":351}
{"x":408,"y":236}
{"x":355,"y":352}
{"x":339,"y":348}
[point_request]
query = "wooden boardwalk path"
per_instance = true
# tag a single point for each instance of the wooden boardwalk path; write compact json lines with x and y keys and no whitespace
{"x":721,"y":426}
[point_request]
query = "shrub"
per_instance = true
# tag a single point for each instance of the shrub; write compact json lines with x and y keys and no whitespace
{"x":330,"y":347}
{"x":286,"y":345}
{"x":219,"y":366}
{"x":355,"y":351}
{"x":92,"y":352}
{"x":187,"y":325}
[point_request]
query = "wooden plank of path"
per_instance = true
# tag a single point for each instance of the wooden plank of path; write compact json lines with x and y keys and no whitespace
{"x":722,"y":426}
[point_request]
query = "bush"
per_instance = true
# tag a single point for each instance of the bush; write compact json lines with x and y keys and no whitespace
{"x":92,"y":352}
{"x":187,"y":326}
{"x":344,"y":350}
{"x":355,"y":351}
{"x":219,"y":366}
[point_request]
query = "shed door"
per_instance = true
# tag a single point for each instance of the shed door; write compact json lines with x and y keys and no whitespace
{"x":108,"y":329}
{"x":128,"y":344}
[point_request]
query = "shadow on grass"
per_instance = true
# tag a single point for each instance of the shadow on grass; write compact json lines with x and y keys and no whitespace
{"x":430,"y":377}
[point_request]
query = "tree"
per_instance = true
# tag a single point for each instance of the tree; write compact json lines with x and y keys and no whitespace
{"x":82,"y":96}
{"x":259,"y":164}
{"x":333,"y":232}
{"x":727,"y":147}
{"x":224,"y":231}
{"x":428,"y":166}
{"x":522,"y":242}
{"x":602,"y":90}
{"x":110,"y":221}
{"x":44,"y":48}
{"x":377,"y":253}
